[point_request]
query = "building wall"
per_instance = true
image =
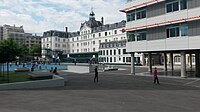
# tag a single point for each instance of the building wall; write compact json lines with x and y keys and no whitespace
{"x":156,"y":27}
{"x":193,"y":3}
{"x":156,"y":10}
{"x":92,"y":41}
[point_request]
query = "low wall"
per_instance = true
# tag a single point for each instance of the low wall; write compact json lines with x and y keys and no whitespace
{"x":57,"y":81}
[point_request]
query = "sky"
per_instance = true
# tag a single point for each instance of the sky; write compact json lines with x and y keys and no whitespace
{"x":37,"y":16}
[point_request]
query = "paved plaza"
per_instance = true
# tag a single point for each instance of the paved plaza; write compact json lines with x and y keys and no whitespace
{"x":117,"y":91}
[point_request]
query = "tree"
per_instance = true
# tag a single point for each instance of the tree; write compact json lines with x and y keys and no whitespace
{"x":36,"y":50}
{"x":9,"y":50}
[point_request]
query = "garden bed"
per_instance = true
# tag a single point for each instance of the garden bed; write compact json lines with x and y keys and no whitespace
{"x":14,"y":77}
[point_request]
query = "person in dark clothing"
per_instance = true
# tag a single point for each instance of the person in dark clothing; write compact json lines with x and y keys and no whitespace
{"x":55,"y":71}
{"x":96,"y":74}
{"x":156,"y":76}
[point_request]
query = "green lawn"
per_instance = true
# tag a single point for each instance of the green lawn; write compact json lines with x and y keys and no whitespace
{"x":14,"y":77}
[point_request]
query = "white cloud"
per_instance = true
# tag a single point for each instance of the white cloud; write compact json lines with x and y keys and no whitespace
{"x":38,"y":16}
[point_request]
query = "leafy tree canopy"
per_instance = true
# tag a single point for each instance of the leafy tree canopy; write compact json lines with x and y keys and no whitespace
{"x":36,"y":50}
{"x":8,"y":50}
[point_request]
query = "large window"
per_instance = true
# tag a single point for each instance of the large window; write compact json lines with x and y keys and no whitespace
{"x":177,"y":31}
{"x":136,"y":36}
{"x":136,"y":14}
{"x":176,"y":5}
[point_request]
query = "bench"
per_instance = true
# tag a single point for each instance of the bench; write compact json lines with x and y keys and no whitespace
{"x":22,"y":70}
{"x":41,"y":75}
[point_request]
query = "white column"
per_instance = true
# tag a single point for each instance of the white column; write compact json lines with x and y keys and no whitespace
{"x":197,"y":64}
{"x":190,"y":61}
{"x":143,"y":59}
{"x":172,"y":61}
{"x":132,"y":63}
{"x":183,"y":64}
{"x":165,"y":61}
{"x":150,"y":62}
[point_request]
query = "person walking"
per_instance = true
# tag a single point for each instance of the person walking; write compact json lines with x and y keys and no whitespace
{"x":96,"y":74}
{"x":156,"y":76}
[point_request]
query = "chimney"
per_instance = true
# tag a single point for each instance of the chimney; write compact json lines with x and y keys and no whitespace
{"x":66,"y":31}
{"x":102,"y":21}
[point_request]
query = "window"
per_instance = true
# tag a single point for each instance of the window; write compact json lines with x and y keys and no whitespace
{"x":184,"y":30}
{"x":106,"y":34}
{"x":136,"y":14}
{"x":176,"y":5}
{"x":119,"y":51}
{"x":100,"y":52}
{"x":141,"y":14}
{"x":99,"y":34}
{"x":77,"y":44}
{"x":124,"y":51}
{"x":136,"y":36}
{"x":106,"y":40}
{"x":124,"y":59}
{"x":93,"y":42}
{"x":64,"y":45}
{"x":93,"y":35}
{"x":177,"y":59}
{"x":183,"y":4}
{"x":106,"y":52}
{"x":63,"y":40}
{"x":99,"y":41}
{"x":111,"y":59}
{"x":177,"y":31}
{"x":114,"y":52}
{"x":174,"y":32}
{"x":103,"y":52}
{"x":115,"y":31}
{"x":128,"y":59}
{"x":93,"y":49}
{"x":110,"y":52}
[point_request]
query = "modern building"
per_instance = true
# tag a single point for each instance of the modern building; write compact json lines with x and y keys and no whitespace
{"x":53,"y":43}
{"x":15,"y":33}
{"x":1,"y":32}
{"x":164,"y":26}
{"x":19,"y":36}
{"x":31,"y":40}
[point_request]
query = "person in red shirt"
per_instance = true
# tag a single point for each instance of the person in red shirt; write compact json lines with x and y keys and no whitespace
{"x":156,"y":76}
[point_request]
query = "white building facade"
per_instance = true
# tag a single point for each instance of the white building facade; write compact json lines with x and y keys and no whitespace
{"x":53,"y":43}
{"x":94,"y":33}
{"x":164,"y":26}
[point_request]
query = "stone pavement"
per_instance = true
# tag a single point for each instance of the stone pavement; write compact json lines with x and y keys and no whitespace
{"x":116,"y":91}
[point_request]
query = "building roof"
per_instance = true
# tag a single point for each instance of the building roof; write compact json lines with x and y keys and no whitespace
{"x":109,"y":26}
{"x":51,"y":33}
